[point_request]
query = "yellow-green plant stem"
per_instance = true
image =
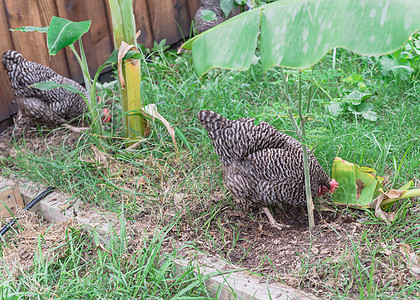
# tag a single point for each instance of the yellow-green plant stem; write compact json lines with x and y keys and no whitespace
{"x":91,"y":101}
{"x":123,"y":24}
{"x":135,"y":120}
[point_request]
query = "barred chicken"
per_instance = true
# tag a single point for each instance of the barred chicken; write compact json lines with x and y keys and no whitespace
{"x":261,"y":165}
{"x":200,"y":23}
{"x":51,"y":107}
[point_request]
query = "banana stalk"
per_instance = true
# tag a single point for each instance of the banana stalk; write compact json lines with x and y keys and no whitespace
{"x":123,"y":24}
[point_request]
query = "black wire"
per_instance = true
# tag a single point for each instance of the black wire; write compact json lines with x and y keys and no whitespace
{"x":28,"y":207}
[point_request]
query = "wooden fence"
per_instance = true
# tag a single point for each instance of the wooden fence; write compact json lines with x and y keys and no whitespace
{"x":157,"y":19}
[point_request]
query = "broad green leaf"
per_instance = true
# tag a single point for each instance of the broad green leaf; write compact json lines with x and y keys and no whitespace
{"x":335,"y":109}
{"x":356,"y":97}
{"x":370,"y":115}
{"x":298,"y":33}
{"x":208,"y":15}
{"x":344,"y":173}
{"x":62,"y":33}
{"x":358,"y":185}
{"x":113,"y":58}
{"x":366,"y":109}
{"x":366,"y":195}
{"x":371,"y":185}
{"x":49,"y":85}
{"x":226,"y":46}
{"x":354,"y":78}
{"x":407,"y":185}
{"x":31,"y":28}
{"x":226,"y":6}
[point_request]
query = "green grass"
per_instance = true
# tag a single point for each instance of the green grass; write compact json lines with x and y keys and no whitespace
{"x":390,"y":145}
{"x":92,"y":270}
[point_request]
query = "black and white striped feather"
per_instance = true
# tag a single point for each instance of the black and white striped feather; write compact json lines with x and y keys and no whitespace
{"x":261,"y":165}
{"x":200,"y":24}
{"x":50,"y":107}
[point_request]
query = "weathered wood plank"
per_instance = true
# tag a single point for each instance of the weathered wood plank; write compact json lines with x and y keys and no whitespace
{"x":163,"y":21}
{"x":47,"y":9}
{"x":143,"y":23}
{"x":193,"y":6}
{"x":31,"y":45}
{"x":182,"y":17}
{"x":101,"y":37}
{"x":63,"y":8}
{"x":10,"y":200}
{"x":6,"y":96}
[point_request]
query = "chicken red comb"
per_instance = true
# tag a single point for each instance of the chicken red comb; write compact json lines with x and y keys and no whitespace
{"x":333,"y":185}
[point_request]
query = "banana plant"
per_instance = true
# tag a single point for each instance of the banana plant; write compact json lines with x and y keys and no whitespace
{"x":123,"y":24}
{"x":298,"y":33}
{"x":62,"y":33}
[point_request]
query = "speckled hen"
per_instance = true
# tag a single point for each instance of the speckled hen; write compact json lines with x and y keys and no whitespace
{"x":52,"y":107}
{"x":263,"y":166}
{"x":200,"y":23}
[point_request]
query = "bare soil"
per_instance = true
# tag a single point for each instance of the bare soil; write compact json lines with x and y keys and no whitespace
{"x":282,"y":255}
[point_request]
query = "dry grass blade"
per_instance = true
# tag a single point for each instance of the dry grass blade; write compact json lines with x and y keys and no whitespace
{"x":411,"y":260}
{"x":151,"y":109}
{"x":19,"y":254}
{"x":122,"y":51}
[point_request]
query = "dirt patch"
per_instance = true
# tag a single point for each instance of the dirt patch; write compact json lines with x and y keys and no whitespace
{"x":245,"y":238}
{"x":32,"y":139}
{"x":31,"y":238}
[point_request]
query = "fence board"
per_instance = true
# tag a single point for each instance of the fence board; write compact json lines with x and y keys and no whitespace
{"x":193,"y":6}
{"x":182,"y":18}
{"x":100,"y":35}
{"x":163,"y":21}
{"x":31,"y":45}
{"x":93,"y":40}
{"x":6,"y":107}
{"x":47,"y":9}
{"x":141,"y":13}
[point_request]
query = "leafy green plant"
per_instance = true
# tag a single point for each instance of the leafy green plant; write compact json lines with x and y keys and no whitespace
{"x":208,"y":15}
{"x":62,"y":33}
{"x":355,"y":79}
{"x":404,"y":62}
{"x":355,"y":103}
{"x":361,"y":187}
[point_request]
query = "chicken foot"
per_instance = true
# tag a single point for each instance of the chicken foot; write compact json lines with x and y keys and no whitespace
{"x":74,"y":128}
{"x":272,"y":221}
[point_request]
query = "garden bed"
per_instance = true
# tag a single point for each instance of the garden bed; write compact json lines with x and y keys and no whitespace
{"x":333,"y":256}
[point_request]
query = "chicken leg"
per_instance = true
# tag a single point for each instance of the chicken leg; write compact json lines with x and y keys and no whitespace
{"x":75,"y":129}
{"x":272,"y":221}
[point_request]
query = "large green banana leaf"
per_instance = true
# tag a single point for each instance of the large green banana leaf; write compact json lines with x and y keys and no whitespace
{"x":359,"y":187}
{"x":298,"y":33}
